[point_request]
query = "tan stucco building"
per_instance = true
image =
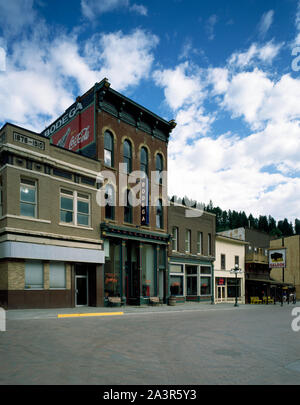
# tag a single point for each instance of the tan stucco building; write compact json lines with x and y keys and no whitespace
{"x":291,"y":273}
{"x":229,"y":253}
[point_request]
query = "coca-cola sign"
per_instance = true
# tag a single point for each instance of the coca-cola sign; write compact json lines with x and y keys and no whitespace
{"x":78,"y":133}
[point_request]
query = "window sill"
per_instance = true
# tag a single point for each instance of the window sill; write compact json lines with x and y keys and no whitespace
{"x":86,"y":228}
{"x":46,"y":221}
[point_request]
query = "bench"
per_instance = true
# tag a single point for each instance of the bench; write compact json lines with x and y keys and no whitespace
{"x":269,"y":300}
{"x":154,"y":300}
{"x":115,"y":301}
{"x":255,"y":300}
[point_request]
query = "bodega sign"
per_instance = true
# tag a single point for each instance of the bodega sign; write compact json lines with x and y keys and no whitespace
{"x":277,"y":258}
{"x":63,"y":120}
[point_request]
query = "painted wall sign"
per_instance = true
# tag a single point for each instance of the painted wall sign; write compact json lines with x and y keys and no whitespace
{"x":277,"y":258}
{"x":27,"y":140}
{"x":144,"y":201}
{"x":75,"y":129}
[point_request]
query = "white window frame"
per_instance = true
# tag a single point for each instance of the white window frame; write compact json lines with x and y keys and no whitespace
{"x":175,"y":239}
{"x":188,"y":241}
{"x":179,"y":274}
{"x":75,"y":196}
{"x":30,"y":184}
{"x":199,"y":243}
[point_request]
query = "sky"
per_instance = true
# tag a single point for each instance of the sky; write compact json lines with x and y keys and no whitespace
{"x":228,"y":72}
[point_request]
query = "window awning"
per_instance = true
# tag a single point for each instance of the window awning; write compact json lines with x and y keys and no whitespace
{"x":275,"y":283}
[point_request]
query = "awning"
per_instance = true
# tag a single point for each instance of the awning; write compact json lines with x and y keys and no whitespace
{"x":274,"y":283}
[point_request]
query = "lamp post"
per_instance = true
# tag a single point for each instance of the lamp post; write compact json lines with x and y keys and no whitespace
{"x":236,"y":271}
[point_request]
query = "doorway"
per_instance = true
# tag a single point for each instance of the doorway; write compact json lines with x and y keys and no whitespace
{"x":221,"y":293}
{"x":81,"y":286}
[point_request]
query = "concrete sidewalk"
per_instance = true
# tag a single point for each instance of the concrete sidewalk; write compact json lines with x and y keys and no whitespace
{"x":23,"y":314}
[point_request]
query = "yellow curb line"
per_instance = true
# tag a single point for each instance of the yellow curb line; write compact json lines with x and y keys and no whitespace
{"x":90,"y":314}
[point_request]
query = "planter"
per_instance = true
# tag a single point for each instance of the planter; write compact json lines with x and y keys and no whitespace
{"x":172,"y":300}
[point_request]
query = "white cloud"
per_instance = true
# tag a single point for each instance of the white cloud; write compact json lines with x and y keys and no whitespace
{"x":139,"y":9}
{"x":265,"y":22}
{"x":15,"y":15}
{"x":180,"y":85}
{"x":92,"y":8}
{"x":210,"y":26}
{"x":255,"y":54}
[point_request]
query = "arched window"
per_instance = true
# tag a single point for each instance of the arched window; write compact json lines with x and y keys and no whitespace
{"x":110,"y":202}
{"x":127,"y":154}
{"x":159,"y":165}
{"x":128,"y":209}
{"x":159,"y":214}
{"x":144,"y":160}
{"x":108,"y":149}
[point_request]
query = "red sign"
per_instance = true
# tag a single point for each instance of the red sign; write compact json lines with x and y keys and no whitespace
{"x":78,"y":133}
{"x":220,"y":281}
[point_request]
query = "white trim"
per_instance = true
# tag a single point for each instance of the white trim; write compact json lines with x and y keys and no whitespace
{"x":52,"y":160}
{"x":73,"y":184}
{"x":86,"y":228}
{"x":51,"y":235}
{"x":23,"y":250}
{"x":46,"y":221}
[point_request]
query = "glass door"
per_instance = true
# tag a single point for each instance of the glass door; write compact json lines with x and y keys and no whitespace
{"x":81,"y":286}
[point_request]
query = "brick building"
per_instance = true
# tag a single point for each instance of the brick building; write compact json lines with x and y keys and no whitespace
{"x":191,"y":253}
{"x":113,"y":129}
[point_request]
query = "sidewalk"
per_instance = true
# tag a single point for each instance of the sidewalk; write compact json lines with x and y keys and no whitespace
{"x":23,"y":314}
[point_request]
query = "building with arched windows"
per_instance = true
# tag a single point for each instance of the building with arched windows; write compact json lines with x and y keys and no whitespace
{"x":130,"y":142}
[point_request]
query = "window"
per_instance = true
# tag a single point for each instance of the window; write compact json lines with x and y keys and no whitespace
{"x":34,"y":274}
{"x":237,"y":260}
{"x":108,"y":149}
{"x":159,"y":167}
{"x":176,"y":279}
{"x":127,"y":155}
{"x":57,"y":275}
{"x":28,"y":204}
{"x":147,"y":272}
{"x":83,"y":209}
{"x":191,"y":280}
{"x":175,"y":239}
{"x":127,"y":209}
{"x":199,"y":243}
{"x":233,"y":287}
{"x":188,"y":241}
{"x":110,"y":202}
{"x":205,"y":280}
{"x":223,"y":262}
{"x":144,"y":161}
{"x":112,"y":268}
{"x":74,"y":208}
{"x":159,"y":214}
{"x":209,"y":251}
{"x":66,"y":206}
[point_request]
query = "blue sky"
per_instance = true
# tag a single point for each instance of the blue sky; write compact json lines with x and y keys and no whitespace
{"x":222,"y":70}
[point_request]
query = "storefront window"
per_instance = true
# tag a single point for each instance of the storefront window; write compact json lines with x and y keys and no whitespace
{"x":176,"y":279}
{"x":176,"y":285}
{"x":205,"y":283}
{"x":232,"y":284}
{"x":148,"y":279}
{"x":191,"y":280}
{"x":112,"y":271}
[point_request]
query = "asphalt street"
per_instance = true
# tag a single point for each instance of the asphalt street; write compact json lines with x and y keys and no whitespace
{"x":205,"y":344}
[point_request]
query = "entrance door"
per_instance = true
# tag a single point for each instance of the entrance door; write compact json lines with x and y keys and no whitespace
{"x":221,"y":293}
{"x":81,"y":287}
{"x":132,"y":273}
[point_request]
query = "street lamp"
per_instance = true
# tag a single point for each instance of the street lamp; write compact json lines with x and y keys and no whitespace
{"x":236,"y":271}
